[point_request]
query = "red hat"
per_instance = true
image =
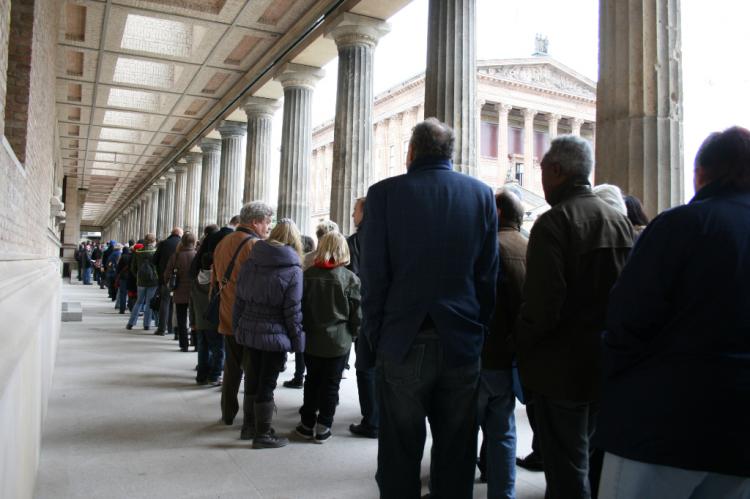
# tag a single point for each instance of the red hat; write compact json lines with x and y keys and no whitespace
{"x":138,"y":246}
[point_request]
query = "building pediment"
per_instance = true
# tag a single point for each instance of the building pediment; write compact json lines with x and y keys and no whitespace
{"x":544,"y":73}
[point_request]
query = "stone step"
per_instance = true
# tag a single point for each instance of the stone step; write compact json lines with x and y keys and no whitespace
{"x":72,"y":311}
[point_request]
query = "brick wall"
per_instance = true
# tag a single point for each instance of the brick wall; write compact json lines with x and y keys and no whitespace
{"x":18,"y":75}
{"x":25,"y":189}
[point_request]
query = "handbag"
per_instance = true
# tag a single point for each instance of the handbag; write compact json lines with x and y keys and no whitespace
{"x":174,"y":280}
{"x":214,"y":301}
{"x":155,"y":303}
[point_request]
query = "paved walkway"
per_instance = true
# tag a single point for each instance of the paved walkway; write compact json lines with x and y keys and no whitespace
{"x":126,"y":420}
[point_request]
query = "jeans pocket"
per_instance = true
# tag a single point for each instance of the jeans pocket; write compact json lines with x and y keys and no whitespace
{"x":407,"y":372}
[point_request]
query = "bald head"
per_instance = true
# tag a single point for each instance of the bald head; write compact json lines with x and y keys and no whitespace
{"x":177,"y":231}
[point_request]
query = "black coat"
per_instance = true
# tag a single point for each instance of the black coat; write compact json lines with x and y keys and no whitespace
{"x":164,"y":251}
{"x":353,"y":242}
{"x":207,"y":247}
{"x":677,"y":346}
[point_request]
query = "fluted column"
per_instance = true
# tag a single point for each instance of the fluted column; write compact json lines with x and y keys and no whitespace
{"x":232,"y":170}
{"x":169,"y":202}
{"x":575,"y":126}
{"x":153,"y":218}
{"x":502,"y":139}
{"x":532,"y":177}
{"x":552,"y":122}
{"x":192,"y":193}
{"x":161,"y":229}
{"x":356,"y":37}
{"x":296,"y":143}
{"x":180,"y":194}
{"x":450,"y":76}
{"x":208,"y":209}
{"x":260,"y":113}
{"x":639,"y":100}
{"x":145,"y":212}
{"x":137,"y":222}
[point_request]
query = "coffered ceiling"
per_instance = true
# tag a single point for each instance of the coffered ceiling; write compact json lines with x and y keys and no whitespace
{"x":139,"y":81}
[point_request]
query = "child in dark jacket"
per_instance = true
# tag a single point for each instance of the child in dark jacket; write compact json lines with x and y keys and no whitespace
{"x":331,"y":319}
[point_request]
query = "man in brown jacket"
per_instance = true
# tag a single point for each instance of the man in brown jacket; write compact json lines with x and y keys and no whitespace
{"x":255,"y":219}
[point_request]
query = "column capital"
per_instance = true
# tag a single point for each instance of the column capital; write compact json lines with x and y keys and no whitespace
{"x":577,"y":121}
{"x":232,"y":129}
{"x":529,"y":113}
{"x":554,"y":117}
{"x":353,"y":29}
{"x":153,"y":189}
{"x":161,"y":183}
{"x":210,"y":145}
{"x":193,"y":157}
{"x":503,"y":108}
{"x":260,"y":105}
{"x":180,"y":168}
{"x":299,"y":75}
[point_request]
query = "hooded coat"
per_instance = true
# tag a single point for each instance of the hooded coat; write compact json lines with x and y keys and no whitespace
{"x":267,"y":311}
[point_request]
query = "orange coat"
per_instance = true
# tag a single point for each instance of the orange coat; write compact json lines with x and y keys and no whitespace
{"x":222,"y":256}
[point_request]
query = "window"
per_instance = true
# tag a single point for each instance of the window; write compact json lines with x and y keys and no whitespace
{"x":19,"y":76}
{"x":515,"y":140}
{"x":519,"y":173}
{"x":488,"y":140}
{"x":541,"y":144}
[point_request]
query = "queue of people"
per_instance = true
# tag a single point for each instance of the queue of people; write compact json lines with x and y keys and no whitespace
{"x":621,"y":336}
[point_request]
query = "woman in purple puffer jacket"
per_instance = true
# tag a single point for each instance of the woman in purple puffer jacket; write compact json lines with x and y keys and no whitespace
{"x":267,"y":321}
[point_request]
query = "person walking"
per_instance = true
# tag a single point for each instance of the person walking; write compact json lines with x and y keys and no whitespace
{"x":179,"y":282}
{"x":147,"y":280}
{"x":428,"y":265}
{"x":331,"y":319}
{"x":267,"y":320}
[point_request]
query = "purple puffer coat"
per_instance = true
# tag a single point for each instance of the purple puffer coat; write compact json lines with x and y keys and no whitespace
{"x":268,"y":307}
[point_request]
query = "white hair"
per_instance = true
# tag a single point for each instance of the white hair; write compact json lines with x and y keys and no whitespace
{"x":573,"y":154}
{"x":255,"y":211}
{"x":612,"y":195}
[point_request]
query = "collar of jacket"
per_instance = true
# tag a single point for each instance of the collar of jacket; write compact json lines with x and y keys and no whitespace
{"x":430,"y":163}
{"x":572,"y":187}
{"x":247,"y":230}
{"x":714,"y":189}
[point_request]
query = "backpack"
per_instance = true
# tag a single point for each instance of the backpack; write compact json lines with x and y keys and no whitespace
{"x":147,"y":275}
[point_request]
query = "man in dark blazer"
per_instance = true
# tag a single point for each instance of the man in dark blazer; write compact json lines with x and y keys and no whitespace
{"x":428,"y":264}
{"x":164,"y":251}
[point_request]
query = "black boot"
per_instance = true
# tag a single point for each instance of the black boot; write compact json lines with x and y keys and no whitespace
{"x":265,"y":438}
{"x":183,"y":335}
{"x":248,"y":420}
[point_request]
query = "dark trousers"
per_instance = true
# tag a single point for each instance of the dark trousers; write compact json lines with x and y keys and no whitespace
{"x":564,"y":429}
{"x":261,"y":372}
{"x":230,"y":385}
{"x":531,"y":414}
{"x":165,"y":310}
{"x":210,"y":355}
{"x":299,"y":366}
{"x":420,"y":387}
{"x":368,"y":404}
{"x":181,"y":314}
{"x":321,"y":393}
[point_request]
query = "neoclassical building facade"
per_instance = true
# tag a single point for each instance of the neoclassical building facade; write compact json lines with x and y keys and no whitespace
{"x":522,"y":104}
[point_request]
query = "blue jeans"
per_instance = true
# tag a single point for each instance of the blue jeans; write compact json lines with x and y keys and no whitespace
{"x":87,"y":275}
{"x":122,"y":294}
{"x":210,"y":355}
{"x":420,"y":387}
{"x":627,"y":479}
{"x":144,"y":300}
{"x":496,"y":406}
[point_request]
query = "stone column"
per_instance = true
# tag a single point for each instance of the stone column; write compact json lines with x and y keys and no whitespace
{"x":145,"y":214}
{"x":528,"y":139}
{"x":208,"y":209}
{"x":71,"y":238}
{"x":162,"y":231}
{"x":232,"y":170}
{"x":575,"y":126}
{"x":153,"y":218}
{"x":192,"y":192}
{"x":296,"y":143}
{"x":180,"y":194}
{"x":169,"y":202}
{"x":553,"y":121}
{"x":450,"y":76}
{"x":356,"y":37}
{"x":502,"y":139}
{"x":260,"y":113}
{"x":137,"y":222}
{"x":639,"y":100}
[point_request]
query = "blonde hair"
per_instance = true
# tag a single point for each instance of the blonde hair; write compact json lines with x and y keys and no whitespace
{"x":333,"y":248}
{"x":286,"y":233}
{"x":149,"y":239}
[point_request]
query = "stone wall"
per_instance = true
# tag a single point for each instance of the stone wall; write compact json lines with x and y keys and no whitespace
{"x":29,"y":248}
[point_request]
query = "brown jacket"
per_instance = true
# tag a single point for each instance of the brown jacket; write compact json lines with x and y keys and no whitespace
{"x":222,"y":257}
{"x":181,"y":259}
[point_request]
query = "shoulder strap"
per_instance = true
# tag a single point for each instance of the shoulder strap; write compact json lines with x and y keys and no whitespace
{"x":230,"y":268}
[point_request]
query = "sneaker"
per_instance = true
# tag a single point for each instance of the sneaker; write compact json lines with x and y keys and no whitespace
{"x":216,"y":382}
{"x":322,"y":434}
{"x":362,"y":430}
{"x":532,"y":462}
{"x":304,"y":432}
{"x":128,"y":327}
{"x":294,"y":383}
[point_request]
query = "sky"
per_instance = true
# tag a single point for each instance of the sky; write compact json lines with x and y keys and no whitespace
{"x":716,"y":72}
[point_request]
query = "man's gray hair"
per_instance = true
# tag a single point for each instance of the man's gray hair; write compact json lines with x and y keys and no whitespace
{"x":255,"y":211}
{"x":432,"y":138}
{"x":573,"y":154}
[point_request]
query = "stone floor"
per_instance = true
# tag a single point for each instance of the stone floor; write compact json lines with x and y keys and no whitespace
{"x":126,"y":420}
